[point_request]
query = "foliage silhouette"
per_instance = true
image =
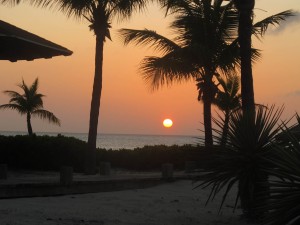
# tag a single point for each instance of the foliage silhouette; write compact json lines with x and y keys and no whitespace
{"x":242,"y":161}
{"x":206,"y":45}
{"x":29,"y":103}
{"x":51,"y":152}
{"x":100,"y":15}
{"x":227,"y":99}
{"x":282,"y":202}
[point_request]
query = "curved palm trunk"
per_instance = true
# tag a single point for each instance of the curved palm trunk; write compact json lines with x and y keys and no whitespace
{"x":90,"y":161}
{"x":28,"y":119}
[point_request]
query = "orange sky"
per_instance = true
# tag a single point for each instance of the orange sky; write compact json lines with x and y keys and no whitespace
{"x":127,"y":106}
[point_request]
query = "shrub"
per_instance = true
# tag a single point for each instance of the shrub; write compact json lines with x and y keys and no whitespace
{"x":50,"y":153}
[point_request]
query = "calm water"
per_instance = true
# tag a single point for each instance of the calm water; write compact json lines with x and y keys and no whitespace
{"x":126,"y":141}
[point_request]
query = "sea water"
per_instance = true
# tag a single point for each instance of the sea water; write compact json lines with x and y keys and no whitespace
{"x":123,"y":141}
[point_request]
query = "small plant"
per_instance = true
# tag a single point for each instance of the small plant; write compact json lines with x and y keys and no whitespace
{"x":29,"y":103}
{"x":282,"y":203}
{"x":241,"y":161}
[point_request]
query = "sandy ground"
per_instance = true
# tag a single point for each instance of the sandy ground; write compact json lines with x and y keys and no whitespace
{"x":168,"y":204}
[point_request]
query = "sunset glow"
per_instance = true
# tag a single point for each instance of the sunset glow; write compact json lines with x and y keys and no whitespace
{"x":127,"y":105}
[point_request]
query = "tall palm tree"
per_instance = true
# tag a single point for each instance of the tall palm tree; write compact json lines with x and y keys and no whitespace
{"x":29,"y":103}
{"x":206,"y":44}
{"x":227,"y":99}
{"x":99,"y":13}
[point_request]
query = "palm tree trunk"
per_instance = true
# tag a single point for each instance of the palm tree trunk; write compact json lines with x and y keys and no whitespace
{"x":207,"y":102}
{"x":90,"y":161}
{"x":245,"y":8}
{"x":29,"y":128}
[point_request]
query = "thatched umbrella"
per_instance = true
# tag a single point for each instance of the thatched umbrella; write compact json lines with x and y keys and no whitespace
{"x":18,"y":44}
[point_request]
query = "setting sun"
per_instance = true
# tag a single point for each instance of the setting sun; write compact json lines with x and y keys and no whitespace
{"x":167,"y":123}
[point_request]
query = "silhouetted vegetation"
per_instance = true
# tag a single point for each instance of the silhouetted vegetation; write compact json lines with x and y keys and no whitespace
{"x":41,"y":152}
{"x":50,"y":153}
{"x":206,"y":45}
{"x":29,"y":103}
{"x":150,"y":157}
{"x":242,"y":161}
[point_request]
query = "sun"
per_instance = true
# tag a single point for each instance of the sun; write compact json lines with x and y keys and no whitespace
{"x":167,"y":123}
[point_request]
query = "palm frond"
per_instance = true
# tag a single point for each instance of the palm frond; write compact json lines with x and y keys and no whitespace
{"x":46,"y":115}
{"x":260,"y":28}
{"x":147,"y":37}
{"x":159,"y":71}
{"x":16,"y":107}
{"x":282,"y":203}
{"x":13,"y":94}
{"x":242,"y":161}
{"x":177,"y":6}
{"x":33,"y":88}
{"x":125,"y":8}
{"x":228,"y":59}
{"x":10,"y":2}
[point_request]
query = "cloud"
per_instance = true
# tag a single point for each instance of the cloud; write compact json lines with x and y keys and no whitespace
{"x":293,"y":94}
{"x":289,"y":23}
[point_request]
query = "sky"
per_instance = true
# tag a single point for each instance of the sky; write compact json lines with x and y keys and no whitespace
{"x":127,"y":105}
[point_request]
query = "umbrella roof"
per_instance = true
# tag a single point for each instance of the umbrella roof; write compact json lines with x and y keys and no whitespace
{"x":18,"y":44}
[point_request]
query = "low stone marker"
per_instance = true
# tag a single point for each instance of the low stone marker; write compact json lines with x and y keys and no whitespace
{"x":66,"y":175}
{"x":104,"y":168}
{"x":167,"y":171}
{"x":3,"y":171}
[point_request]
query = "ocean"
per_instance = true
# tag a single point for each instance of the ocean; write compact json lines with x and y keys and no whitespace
{"x":123,"y":141}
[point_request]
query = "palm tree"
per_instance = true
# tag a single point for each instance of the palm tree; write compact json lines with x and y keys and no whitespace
{"x":242,"y":162}
{"x":99,"y":13}
{"x":29,"y":103}
{"x":282,"y":203}
{"x":206,"y":45}
{"x":227,"y":100}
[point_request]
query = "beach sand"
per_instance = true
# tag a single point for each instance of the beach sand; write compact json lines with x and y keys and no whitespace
{"x":173,"y":203}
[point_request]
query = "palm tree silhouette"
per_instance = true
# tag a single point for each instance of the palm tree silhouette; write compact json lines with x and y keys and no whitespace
{"x":29,"y":103}
{"x":206,"y":44}
{"x":99,"y":13}
{"x":245,"y":8}
{"x":227,"y":99}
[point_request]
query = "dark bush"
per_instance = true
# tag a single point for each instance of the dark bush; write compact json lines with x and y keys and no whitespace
{"x":50,"y":153}
{"x":41,"y":152}
{"x":151,"y":157}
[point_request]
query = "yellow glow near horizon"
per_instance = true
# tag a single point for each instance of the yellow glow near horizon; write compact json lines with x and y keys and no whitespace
{"x":168,"y":123}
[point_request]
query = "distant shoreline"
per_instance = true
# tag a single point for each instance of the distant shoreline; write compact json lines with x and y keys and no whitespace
{"x":83,"y":133}
{"x":121,"y":141}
